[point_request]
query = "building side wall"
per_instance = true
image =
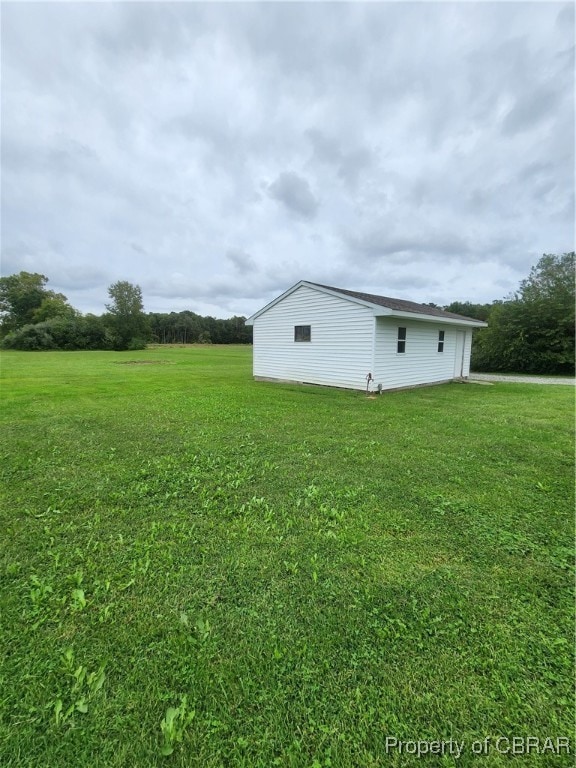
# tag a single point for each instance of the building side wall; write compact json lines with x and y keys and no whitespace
{"x":340,"y":352}
{"x":421,"y":363}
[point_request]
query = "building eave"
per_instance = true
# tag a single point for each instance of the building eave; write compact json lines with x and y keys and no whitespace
{"x":433,"y":318}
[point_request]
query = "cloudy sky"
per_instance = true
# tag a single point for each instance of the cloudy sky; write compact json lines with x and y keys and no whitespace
{"x":215,"y":154}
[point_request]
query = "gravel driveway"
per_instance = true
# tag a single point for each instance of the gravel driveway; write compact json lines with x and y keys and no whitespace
{"x":522,"y":379}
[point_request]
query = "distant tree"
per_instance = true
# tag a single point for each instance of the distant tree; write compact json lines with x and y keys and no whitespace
{"x":533,"y":331}
{"x":53,"y":306}
{"x":96,"y":335}
{"x":466,"y":308}
{"x":129,"y":325}
{"x":187,"y":328}
{"x":25,"y":300}
{"x":552,"y":280}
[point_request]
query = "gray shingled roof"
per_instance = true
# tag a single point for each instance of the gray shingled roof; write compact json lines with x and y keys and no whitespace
{"x":398,"y":304}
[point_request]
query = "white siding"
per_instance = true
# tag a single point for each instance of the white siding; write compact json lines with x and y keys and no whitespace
{"x":421,"y":363}
{"x":340,"y":353}
{"x":467,"y":353}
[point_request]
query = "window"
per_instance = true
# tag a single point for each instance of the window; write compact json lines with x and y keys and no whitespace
{"x":302,"y":333}
{"x":440,"y":341}
{"x":401,"y":340}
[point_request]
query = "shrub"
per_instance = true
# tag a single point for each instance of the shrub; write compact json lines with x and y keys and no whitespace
{"x":30,"y":338}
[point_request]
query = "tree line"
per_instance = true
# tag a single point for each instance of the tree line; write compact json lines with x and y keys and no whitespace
{"x":33,"y":317}
{"x":189,"y":328}
{"x":530,"y":331}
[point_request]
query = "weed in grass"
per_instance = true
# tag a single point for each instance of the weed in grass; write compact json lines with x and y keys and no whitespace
{"x":80,"y":688}
{"x":78,"y":600}
{"x":38,"y":593}
{"x":174,"y":724}
{"x":202,"y":628}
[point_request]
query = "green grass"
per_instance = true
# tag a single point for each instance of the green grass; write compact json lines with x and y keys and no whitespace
{"x":254,"y":574}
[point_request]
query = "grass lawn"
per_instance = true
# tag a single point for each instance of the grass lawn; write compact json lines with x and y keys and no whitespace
{"x":201,"y":570}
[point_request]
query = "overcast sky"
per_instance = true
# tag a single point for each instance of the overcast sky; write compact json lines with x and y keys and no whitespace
{"x":215,"y":154}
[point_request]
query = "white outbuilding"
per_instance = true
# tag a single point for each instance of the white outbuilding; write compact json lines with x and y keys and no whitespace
{"x":316,"y":334}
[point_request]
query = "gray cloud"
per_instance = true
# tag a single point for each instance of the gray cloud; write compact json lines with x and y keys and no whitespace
{"x":242,"y":261}
{"x":183,"y":146}
{"x":349,"y":162}
{"x":138,"y":249}
{"x":295,"y":193}
{"x":385,"y":242}
{"x":530,"y":110}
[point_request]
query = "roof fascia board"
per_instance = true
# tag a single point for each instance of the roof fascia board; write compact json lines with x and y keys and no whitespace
{"x":438,"y":319}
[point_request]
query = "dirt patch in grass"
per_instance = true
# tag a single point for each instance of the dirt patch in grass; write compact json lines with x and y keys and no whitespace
{"x":143,"y":362}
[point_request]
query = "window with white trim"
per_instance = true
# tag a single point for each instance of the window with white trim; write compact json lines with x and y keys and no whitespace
{"x":401,"y":343}
{"x":440,"y":341}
